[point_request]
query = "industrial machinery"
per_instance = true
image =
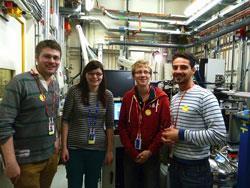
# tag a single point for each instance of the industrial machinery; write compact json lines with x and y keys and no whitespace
{"x":224,"y":168}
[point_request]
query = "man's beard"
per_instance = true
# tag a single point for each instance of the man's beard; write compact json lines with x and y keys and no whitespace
{"x":179,"y":79}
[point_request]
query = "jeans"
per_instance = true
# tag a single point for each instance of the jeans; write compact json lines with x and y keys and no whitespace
{"x":39,"y":174}
{"x":145,"y":175}
{"x":196,"y":175}
{"x":88,"y":162}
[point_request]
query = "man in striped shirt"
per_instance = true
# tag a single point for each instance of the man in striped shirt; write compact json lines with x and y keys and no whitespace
{"x":196,"y":124}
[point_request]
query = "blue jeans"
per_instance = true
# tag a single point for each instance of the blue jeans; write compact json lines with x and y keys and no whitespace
{"x":197,"y":175}
{"x":145,"y":175}
{"x":88,"y":162}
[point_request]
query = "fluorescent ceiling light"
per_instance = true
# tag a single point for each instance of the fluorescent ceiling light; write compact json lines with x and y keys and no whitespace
{"x":89,"y":4}
{"x":222,"y":13}
{"x":203,"y":10}
{"x":40,"y":2}
{"x":195,"y":7}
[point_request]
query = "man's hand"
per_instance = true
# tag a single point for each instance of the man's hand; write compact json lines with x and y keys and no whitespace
{"x":65,"y":154}
{"x":57,"y":145}
{"x":12,"y":170}
{"x":170,"y":135}
{"x":143,"y":156}
{"x":109,"y":158}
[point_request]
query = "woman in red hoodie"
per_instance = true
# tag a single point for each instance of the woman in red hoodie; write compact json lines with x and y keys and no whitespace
{"x":143,"y":116}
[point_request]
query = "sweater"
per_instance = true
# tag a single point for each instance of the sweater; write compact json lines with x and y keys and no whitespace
{"x":24,"y":117}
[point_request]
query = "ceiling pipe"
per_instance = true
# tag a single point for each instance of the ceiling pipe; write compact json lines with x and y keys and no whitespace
{"x":236,"y":9}
{"x":239,"y":24}
{"x":228,"y":29}
{"x":147,"y":14}
{"x":203,"y":10}
{"x":162,"y":21}
{"x":148,"y":44}
{"x":46,"y":19}
{"x":34,"y":9}
{"x":177,"y":22}
{"x":124,"y":28}
{"x":37,"y":5}
{"x":137,"y":19}
{"x":228,"y":21}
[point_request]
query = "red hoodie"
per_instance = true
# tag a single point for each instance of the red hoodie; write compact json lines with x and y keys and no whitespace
{"x":155,"y":117}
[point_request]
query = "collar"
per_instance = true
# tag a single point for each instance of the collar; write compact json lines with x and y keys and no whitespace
{"x":34,"y":72}
{"x":185,"y":91}
{"x":150,"y":98}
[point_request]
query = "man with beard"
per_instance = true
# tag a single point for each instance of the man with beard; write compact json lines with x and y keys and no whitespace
{"x":196,"y":124}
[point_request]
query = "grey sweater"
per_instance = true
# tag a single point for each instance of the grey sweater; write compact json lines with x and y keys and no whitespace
{"x":23,"y":116}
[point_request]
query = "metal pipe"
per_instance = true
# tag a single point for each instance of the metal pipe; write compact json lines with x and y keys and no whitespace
{"x":5,"y":19}
{"x":83,"y":43}
{"x":164,"y":21}
{"x":215,"y":20}
{"x":34,"y":9}
{"x":124,"y":28}
{"x":243,"y":65}
{"x":46,"y":19}
{"x":37,"y":6}
{"x":173,"y":16}
{"x":149,"y":20}
{"x":127,"y":33}
{"x":228,"y":21}
{"x":232,"y":64}
{"x":228,"y":29}
{"x":149,"y":44}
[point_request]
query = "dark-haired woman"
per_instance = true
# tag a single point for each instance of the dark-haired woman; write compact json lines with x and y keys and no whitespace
{"x":87,"y":127}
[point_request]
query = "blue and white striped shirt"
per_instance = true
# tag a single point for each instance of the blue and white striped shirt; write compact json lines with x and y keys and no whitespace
{"x":200,"y":116}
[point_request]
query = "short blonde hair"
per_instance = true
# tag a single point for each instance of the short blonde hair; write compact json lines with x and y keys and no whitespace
{"x":141,"y":63}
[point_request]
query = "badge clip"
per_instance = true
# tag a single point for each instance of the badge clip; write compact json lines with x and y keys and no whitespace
{"x":138,"y":142}
{"x":51,"y":126}
{"x":91,"y":136}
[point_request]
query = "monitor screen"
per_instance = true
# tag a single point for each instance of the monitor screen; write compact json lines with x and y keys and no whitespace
{"x":119,"y":81}
{"x":117,"y":108}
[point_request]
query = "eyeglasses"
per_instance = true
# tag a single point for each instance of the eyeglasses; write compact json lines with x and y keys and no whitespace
{"x":98,"y":74}
{"x":54,"y":57}
{"x":142,"y":72}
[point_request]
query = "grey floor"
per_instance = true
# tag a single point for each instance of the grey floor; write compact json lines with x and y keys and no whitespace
{"x":60,"y":179}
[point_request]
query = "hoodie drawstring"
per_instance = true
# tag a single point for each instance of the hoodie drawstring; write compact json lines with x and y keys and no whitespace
{"x":157,"y":104}
{"x":130,"y":108}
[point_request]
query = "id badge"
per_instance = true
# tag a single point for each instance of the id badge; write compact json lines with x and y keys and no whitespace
{"x":51,"y":126}
{"x":138,"y":142}
{"x":91,"y":136}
